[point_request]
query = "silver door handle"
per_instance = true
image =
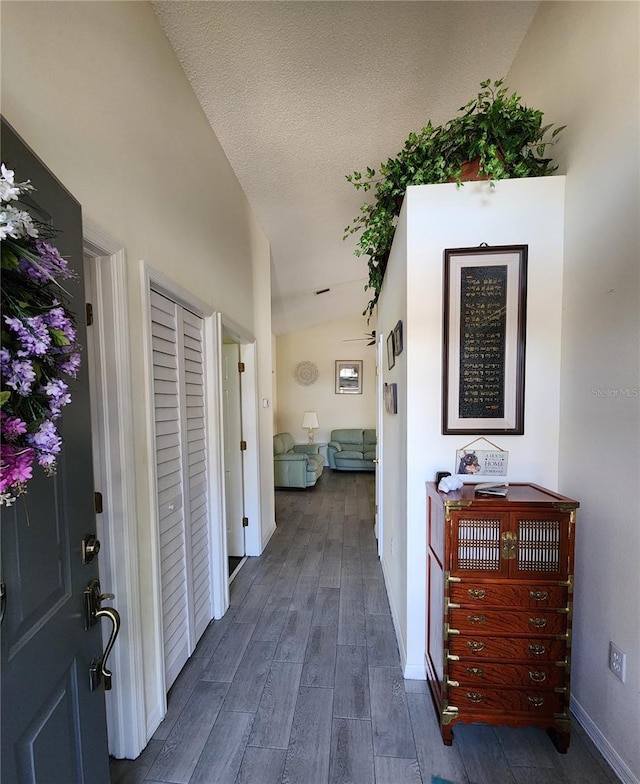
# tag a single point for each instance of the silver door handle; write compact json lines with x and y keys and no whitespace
{"x":114,"y":617}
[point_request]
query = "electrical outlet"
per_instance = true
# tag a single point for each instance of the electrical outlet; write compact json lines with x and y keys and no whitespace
{"x":392,"y":548}
{"x":617,"y":661}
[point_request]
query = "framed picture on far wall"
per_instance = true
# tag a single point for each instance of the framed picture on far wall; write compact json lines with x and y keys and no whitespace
{"x":348,"y":377}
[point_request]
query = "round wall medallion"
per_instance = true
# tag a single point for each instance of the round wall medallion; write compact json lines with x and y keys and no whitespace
{"x":306,"y":373}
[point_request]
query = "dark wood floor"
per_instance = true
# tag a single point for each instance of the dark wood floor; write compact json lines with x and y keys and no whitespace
{"x":300,"y":682}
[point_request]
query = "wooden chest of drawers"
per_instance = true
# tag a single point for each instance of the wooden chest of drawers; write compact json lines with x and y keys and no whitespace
{"x":499,"y":599}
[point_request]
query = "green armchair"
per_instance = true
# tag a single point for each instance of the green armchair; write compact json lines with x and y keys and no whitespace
{"x":295,"y":465}
{"x":352,"y":450}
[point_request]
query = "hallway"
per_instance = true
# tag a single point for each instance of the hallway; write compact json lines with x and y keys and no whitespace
{"x":300,"y":682}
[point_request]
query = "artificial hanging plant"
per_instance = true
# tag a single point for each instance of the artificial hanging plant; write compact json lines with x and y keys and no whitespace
{"x":506,"y":138}
{"x":38,"y":349}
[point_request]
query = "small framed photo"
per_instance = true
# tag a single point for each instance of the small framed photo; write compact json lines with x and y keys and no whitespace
{"x":391,"y":350}
{"x":348,"y":377}
{"x":391,"y":398}
{"x":397,"y":339}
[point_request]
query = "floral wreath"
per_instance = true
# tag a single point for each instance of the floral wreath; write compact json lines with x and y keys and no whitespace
{"x":38,"y":343}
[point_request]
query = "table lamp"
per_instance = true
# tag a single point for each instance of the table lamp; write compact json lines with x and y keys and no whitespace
{"x":310,"y":422}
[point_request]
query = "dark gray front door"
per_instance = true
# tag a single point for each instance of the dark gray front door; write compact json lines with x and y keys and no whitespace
{"x":53,"y":725}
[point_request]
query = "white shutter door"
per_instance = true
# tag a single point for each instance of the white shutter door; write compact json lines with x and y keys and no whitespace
{"x":178,"y":381}
{"x":196,"y":471}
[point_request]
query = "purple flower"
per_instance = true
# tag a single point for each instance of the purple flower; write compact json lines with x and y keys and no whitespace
{"x":22,"y":376}
{"x":57,"y":319}
{"x":12,"y":426}
{"x":5,"y":360}
{"x":46,"y":442}
{"x":47,"y":265}
{"x":51,"y":256}
{"x":32,"y":334}
{"x":71,"y":364}
{"x":59,"y":396}
{"x":15,"y":466}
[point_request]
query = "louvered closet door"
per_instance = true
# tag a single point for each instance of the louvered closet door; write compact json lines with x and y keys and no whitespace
{"x":178,"y":379}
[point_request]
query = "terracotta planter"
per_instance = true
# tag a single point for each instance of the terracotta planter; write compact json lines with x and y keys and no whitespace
{"x":471,"y":171}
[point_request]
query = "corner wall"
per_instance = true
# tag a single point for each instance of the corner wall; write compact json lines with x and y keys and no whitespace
{"x":580,"y":62}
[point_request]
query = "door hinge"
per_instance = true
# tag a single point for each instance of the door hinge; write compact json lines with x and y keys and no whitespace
{"x":97,"y":502}
{"x":89,"y":311}
{"x":243,"y":446}
{"x":240,"y":367}
{"x":245,"y":522}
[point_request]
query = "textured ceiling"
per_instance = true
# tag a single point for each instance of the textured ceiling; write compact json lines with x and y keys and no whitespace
{"x":300,"y":93}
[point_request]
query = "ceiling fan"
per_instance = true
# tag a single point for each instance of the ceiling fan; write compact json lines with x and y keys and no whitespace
{"x":369,"y":336}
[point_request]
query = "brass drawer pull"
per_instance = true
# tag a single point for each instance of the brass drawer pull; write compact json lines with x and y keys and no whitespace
{"x":536,"y":701}
{"x":477,"y":618}
{"x":475,"y":646}
{"x":473,"y":696}
{"x":477,"y":593}
{"x":477,"y":671}
{"x":538,"y":623}
{"x":539,"y":596}
{"x":537,"y":676}
{"x":537,"y":650}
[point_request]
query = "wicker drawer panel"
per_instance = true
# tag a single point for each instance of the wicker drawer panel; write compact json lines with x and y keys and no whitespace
{"x":481,"y":700}
{"x":532,"y":621}
{"x":527,"y":649}
{"x":470,"y":594}
{"x":480,"y":674}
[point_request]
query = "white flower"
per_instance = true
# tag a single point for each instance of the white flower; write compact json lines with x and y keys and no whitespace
{"x":16,"y":224}
{"x":10,"y":190}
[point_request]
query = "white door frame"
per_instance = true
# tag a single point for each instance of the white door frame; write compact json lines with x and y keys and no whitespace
{"x":251,"y":432}
{"x":379,"y":526}
{"x":112,"y":425}
{"x":233,"y":434}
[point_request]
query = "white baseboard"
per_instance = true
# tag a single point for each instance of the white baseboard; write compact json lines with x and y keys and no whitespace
{"x":620,"y":767}
{"x":402,"y":646}
{"x":154,"y":719}
{"x":414,"y":672}
{"x":269,"y":533}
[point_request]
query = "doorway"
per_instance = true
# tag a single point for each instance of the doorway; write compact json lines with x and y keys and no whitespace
{"x":235,"y":519}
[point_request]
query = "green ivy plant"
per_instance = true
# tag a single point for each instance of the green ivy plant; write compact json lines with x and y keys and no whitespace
{"x":507,"y":138}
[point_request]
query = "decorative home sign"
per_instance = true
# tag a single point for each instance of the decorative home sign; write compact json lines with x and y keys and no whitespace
{"x":484,"y":339}
{"x":348,"y":377}
{"x":484,"y":462}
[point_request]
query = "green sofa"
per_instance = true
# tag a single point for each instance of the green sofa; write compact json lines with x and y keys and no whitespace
{"x":352,"y":450}
{"x":295,"y":465}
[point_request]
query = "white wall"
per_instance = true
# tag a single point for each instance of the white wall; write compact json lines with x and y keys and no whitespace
{"x":96,"y":91}
{"x":394,"y":456}
{"x":580,"y":63}
{"x":323,"y":345}
{"x":439,"y":217}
